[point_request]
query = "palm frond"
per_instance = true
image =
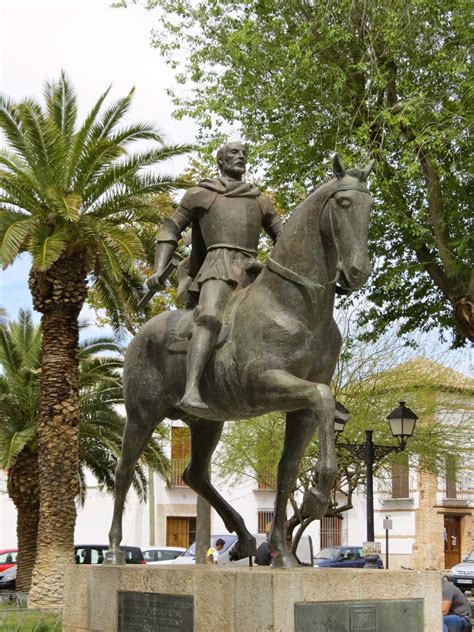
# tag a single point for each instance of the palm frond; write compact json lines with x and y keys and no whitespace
{"x":12,"y":441}
{"x":61,"y":105}
{"x":14,"y":235}
{"x":47,"y":246}
{"x":80,"y":143}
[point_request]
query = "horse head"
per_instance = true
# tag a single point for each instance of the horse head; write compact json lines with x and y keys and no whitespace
{"x":344,"y":224}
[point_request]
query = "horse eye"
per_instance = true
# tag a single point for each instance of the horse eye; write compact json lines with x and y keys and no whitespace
{"x":344,"y":202}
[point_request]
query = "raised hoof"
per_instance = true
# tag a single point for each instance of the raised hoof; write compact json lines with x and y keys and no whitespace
{"x":243,"y":549}
{"x":193,"y":405}
{"x":114,"y":557}
{"x":285,"y":560}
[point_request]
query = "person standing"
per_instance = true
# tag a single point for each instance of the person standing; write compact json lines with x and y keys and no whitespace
{"x":212,"y":555}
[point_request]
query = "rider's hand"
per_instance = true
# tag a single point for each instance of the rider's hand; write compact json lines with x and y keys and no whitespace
{"x":154,"y":281}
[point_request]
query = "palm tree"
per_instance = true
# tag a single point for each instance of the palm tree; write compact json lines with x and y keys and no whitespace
{"x":100,"y":428}
{"x":81,"y":204}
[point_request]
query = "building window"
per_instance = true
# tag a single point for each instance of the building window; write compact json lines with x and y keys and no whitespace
{"x":331,"y":531}
{"x":180,"y":453}
{"x":451,"y":491}
{"x":264,"y":517}
{"x":400,"y":478}
{"x":266,"y":479}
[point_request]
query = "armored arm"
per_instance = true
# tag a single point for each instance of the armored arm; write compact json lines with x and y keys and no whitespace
{"x":166,"y":242}
{"x":271,"y":222}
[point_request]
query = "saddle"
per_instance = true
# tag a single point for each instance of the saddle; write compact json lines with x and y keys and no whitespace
{"x":181,"y":333}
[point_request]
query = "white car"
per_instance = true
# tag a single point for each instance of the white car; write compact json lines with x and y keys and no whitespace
{"x":304,"y":551}
{"x":161,"y":554}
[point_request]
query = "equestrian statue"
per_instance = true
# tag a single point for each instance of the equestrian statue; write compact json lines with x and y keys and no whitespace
{"x":255,"y":338}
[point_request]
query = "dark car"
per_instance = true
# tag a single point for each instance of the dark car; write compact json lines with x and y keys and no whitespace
{"x":342,"y":557}
{"x":8,"y":578}
{"x":462,"y":575}
{"x":95,"y":554}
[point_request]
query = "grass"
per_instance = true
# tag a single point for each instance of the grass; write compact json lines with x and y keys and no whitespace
{"x":14,"y":619}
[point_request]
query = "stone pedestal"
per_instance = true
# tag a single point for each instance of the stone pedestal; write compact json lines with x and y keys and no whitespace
{"x":239,"y":599}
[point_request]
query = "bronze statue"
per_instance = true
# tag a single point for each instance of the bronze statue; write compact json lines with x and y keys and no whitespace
{"x":227,"y":216}
{"x":276,"y":351}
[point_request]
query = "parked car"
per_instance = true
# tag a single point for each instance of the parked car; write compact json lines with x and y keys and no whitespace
{"x":161,"y":554}
{"x":304,"y":551}
{"x":342,"y":557}
{"x":8,"y":578}
{"x":95,"y":554}
{"x":7,"y":558}
{"x":462,"y":575}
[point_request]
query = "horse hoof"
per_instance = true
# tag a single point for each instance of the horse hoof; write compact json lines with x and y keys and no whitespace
{"x":114,"y":557}
{"x":243,"y":549}
{"x":285,"y":560}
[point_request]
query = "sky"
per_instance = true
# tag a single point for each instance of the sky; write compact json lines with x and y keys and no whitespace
{"x":98,"y":45}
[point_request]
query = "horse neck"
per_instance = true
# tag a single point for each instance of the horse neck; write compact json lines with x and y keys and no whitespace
{"x":299,"y":247}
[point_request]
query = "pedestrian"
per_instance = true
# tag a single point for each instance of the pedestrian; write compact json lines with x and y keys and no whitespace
{"x":263,"y":556}
{"x":456,"y":610}
{"x":212,"y":555}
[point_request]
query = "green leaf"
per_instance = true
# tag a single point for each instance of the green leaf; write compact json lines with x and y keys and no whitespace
{"x":14,"y":235}
{"x":47,"y":246}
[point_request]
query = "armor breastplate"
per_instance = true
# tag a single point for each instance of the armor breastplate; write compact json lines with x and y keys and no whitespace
{"x":234,"y":221}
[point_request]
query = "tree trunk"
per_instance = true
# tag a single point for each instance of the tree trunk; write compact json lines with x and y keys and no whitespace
{"x":23,"y":489}
{"x":59,"y":294}
{"x":203,"y":528}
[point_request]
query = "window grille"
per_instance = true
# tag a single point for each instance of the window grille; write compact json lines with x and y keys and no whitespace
{"x":331,"y":531}
{"x":180,"y":453}
{"x":264,"y":517}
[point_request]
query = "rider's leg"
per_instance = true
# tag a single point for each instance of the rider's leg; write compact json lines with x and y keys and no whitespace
{"x":212,"y":300}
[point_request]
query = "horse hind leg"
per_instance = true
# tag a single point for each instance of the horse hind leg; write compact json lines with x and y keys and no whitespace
{"x":204,"y":438}
{"x":142,"y":419}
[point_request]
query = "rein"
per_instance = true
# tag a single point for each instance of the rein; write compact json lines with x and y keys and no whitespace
{"x":298,"y":279}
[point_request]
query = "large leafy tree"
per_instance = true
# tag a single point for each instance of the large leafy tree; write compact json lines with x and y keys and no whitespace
{"x":387,"y":79}
{"x":75,"y":197}
{"x":369,"y":380}
{"x":100,"y":427}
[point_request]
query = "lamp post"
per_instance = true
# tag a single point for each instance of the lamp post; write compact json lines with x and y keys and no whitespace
{"x":402,"y":422}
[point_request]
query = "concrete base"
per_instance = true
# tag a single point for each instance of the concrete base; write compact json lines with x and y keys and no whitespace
{"x":239,"y":599}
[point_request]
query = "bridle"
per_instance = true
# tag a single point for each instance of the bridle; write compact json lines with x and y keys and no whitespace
{"x":298,"y":279}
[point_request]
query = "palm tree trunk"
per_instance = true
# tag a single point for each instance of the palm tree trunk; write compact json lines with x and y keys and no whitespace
{"x":59,"y":294}
{"x":58,"y":453}
{"x":23,"y":489}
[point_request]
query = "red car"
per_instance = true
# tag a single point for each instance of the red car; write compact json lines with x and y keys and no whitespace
{"x":7,"y":558}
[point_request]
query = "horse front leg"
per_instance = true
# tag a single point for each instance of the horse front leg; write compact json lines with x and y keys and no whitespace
{"x":204,"y":439}
{"x":300,"y":427}
{"x":309,"y":405}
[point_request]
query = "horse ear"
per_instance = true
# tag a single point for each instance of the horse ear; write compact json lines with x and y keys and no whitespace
{"x":338,"y":167}
{"x":367,"y":170}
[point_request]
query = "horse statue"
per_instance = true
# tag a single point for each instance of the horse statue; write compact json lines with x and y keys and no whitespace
{"x":277,"y":351}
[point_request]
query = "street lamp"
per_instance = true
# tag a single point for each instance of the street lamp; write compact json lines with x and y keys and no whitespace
{"x":341,"y":417}
{"x":402,"y":422}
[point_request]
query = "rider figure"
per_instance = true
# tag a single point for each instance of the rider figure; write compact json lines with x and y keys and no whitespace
{"x":226,"y":215}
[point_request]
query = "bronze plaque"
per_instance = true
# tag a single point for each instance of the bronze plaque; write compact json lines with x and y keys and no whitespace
{"x":360,"y":616}
{"x":155,"y":612}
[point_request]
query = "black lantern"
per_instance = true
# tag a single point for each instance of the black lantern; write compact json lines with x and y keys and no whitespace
{"x":402,"y":422}
{"x":341,"y":417}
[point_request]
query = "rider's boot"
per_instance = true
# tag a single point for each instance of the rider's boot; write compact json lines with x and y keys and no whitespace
{"x":199,"y":351}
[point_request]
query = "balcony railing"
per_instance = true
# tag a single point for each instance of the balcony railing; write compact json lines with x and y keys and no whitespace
{"x":177,"y":468}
